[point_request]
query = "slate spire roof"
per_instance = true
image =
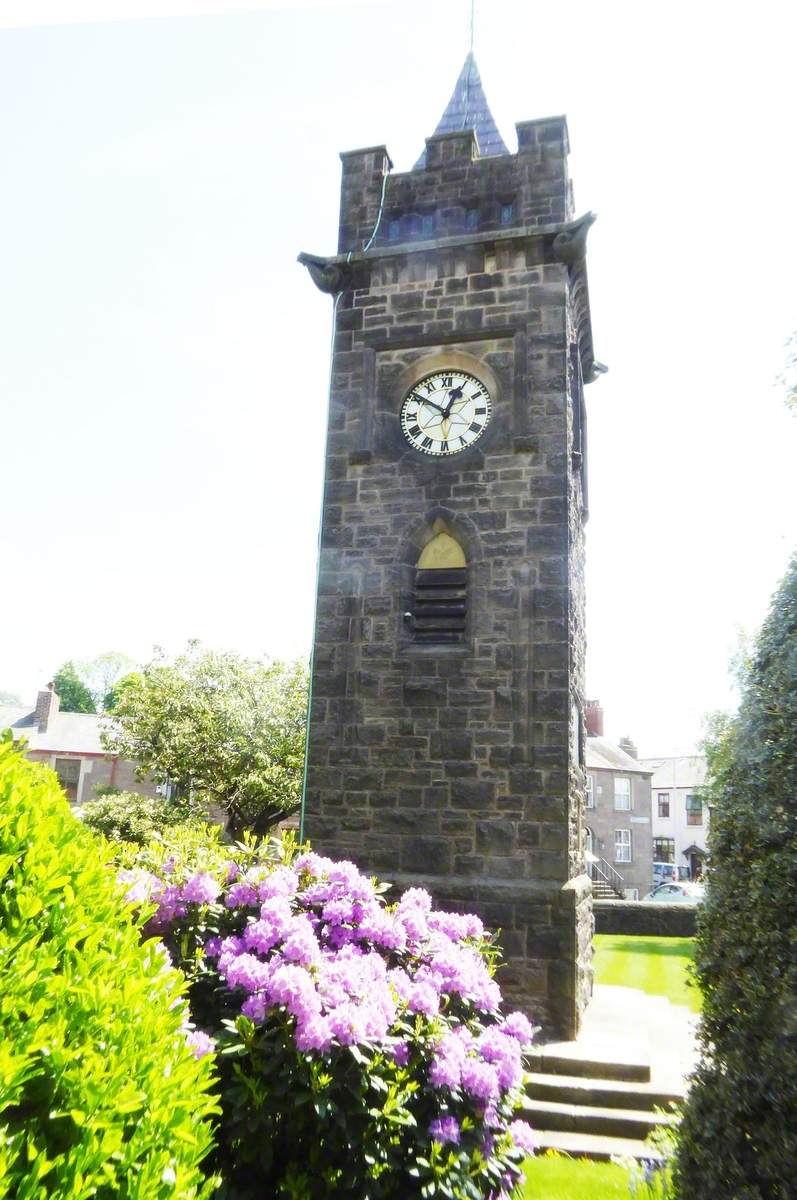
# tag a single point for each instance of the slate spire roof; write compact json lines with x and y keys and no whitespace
{"x":468,"y":109}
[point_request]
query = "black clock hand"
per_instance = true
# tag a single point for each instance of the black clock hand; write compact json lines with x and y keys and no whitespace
{"x":432,"y":404}
{"x":455,"y":394}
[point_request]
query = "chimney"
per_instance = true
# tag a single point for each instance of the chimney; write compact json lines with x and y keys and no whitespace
{"x":626,"y":744}
{"x":593,"y":717}
{"x":47,"y":704}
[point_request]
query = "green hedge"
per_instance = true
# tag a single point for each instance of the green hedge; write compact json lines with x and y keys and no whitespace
{"x":131,"y":817}
{"x":100,"y":1096}
{"x":738,"y":1138}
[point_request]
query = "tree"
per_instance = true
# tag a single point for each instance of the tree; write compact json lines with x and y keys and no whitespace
{"x":72,"y":691}
{"x":226,"y":729}
{"x":100,"y":674}
{"x":738,"y":1139}
{"x":112,"y":697}
{"x":788,"y":378}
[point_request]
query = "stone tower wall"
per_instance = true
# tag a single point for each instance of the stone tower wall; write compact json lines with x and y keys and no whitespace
{"x":458,"y":767}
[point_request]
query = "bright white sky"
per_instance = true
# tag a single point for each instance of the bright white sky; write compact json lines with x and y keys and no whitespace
{"x":159,"y":176}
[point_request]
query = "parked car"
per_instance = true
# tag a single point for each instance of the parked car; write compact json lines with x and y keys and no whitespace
{"x":665,"y":872}
{"x":677,"y":893}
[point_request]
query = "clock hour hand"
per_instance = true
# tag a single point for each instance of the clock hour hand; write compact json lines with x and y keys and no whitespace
{"x":455,"y":394}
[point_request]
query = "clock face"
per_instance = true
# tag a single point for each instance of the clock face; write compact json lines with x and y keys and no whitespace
{"x":445,"y":413}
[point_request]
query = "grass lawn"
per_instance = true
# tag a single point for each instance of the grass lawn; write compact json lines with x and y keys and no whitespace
{"x":555,"y":1177}
{"x":653,"y":964}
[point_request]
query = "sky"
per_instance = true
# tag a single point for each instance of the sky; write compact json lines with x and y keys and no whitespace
{"x":159,"y":175}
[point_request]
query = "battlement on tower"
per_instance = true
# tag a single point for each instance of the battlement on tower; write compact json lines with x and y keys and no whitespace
{"x":457,"y":191}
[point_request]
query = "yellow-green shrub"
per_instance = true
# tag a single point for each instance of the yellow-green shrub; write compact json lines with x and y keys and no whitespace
{"x":100,"y":1096}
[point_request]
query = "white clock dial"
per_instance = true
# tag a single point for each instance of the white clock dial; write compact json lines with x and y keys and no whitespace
{"x":446,"y":412}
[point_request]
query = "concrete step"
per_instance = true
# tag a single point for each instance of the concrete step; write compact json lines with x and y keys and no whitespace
{"x":603,"y":1093}
{"x":561,"y":1058}
{"x":590,"y":1145}
{"x":634,"y":1124}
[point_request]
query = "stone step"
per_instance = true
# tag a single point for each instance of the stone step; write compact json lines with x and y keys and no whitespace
{"x":590,"y":1145}
{"x":558,"y":1059}
{"x":603,"y":1093}
{"x":635,"y":1124}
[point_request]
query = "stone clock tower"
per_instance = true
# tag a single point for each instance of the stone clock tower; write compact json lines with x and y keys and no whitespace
{"x":446,"y":739}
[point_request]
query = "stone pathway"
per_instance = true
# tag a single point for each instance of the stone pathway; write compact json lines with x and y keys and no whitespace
{"x":596,"y":1097}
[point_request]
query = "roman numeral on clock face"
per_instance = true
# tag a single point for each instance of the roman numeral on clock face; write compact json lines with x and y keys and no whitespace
{"x":414,"y":431}
{"x":426,"y":443}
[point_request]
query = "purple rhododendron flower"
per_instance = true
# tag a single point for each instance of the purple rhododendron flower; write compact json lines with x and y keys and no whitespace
{"x":496,"y":1046}
{"x":446,"y":1066}
{"x":480,"y":1080}
{"x":301,"y":945}
{"x":445,"y":1129}
{"x":201,"y":889}
{"x":200,"y":1043}
{"x":423,"y":998}
{"x":314,"y":1033}
{"x":247,"y":972}
{"x":519,"y":1027}
{"x":281,"y":882}
{"x":241,"y":895}
{"x":523,"y":1136}
{"x":142,"y":885}
{"x":400,"y":1053}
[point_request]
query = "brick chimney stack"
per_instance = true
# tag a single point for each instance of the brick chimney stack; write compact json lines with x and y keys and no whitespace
{"x":626,"y":744}
{"x":593,"y":717}
{"x":47,"y":704}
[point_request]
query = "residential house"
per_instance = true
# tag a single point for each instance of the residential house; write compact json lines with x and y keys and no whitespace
{"x":70,"y":744}
{"x":680,"y":813}
{"x":617,"y":821}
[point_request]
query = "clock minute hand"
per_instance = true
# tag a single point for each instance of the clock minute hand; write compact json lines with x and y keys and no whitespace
{"x":432,"y":404}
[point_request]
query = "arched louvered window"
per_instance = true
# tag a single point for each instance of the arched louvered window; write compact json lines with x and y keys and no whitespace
{"x":440,"y":594}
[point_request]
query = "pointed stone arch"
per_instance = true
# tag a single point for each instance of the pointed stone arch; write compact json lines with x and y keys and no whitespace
{"x":442,"y":551}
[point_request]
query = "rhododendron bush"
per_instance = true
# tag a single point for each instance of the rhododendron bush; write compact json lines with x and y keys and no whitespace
{"x":361,"y":1047}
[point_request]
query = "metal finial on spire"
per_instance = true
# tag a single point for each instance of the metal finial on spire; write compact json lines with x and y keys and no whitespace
{"x":472,"y":14}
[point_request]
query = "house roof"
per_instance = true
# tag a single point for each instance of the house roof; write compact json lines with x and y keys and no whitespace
{"x":603,"y":755}
{"x":67,"y":732}
{"x":678,"y":771}
{"x":468,"y":109}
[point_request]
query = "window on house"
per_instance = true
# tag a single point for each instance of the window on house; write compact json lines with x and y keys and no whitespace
{"x":622,"y":794}
{"x":694,"y":810}
{"x":471,"y":218}
{"x":507,"y":213}
{"x":664,"y":850}
{"x":427,"y":225}
{"x":664,"y":804}
{"x":588,"y":840}
{"x":394,"y":229}
{"x":622,"y":845}
{"x":68,"y":772}
{"x":575,"y":732}
{"x":441,"y":591}
{"x":590,"y":791}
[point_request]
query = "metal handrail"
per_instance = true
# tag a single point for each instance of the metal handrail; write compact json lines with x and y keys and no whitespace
{"x":607,"y":873}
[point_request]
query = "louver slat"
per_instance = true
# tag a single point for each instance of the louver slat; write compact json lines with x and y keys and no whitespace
{"x":440,"y":607}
